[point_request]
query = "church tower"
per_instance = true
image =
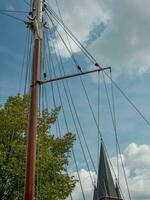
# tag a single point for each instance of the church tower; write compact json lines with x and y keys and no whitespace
{"x":105,"y":189}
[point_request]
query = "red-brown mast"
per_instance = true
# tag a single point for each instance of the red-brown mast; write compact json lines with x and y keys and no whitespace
{"x":36,"y":26}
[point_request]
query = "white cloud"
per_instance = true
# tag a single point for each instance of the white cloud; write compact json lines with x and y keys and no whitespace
{"x":80,"y":17}
{"x":140,"y":154}
{"x":136,"y":160}
{"x":125,"y":42}
{"x":86,"y":183}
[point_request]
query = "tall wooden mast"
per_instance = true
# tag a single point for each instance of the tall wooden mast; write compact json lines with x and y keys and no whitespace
{"x":35,"y":24}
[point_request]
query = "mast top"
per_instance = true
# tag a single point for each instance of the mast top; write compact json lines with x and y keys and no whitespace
{"x":35,"y":22}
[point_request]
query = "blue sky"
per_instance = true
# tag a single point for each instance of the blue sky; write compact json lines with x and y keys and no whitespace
{"x":117,"y":34}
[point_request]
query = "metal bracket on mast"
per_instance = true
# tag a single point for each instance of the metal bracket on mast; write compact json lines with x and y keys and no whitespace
{"x":36,"y":23}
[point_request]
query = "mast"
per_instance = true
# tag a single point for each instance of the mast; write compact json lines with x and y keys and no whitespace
{"x":36,"y":25}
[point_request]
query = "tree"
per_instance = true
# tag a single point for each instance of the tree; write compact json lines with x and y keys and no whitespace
{"x":52,"y":180}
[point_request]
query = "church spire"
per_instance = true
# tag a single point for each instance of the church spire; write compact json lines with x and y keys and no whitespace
{"x":105,"y":185}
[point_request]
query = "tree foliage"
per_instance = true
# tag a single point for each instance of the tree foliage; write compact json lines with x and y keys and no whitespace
{"x":52,"y":179}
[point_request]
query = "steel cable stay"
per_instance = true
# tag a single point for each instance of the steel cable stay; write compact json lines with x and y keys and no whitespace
{"x":74,"y":157}
{"x":118,"y":151}
{"x":14,"y":138}
{"x":24,"y":68}
{"x":67,"y":37}
{"x":114,"y":83}
{"x":115,"y":126}
{"x":116,"y":137}
{"x":12,"y":16}
{"x":68,"y":87}
{"x":14,"y":11}
{"x":7,"y":12}
{"x":61,"y":68}
{"x":38,"y":175}
{"x":51,"y":56}
{"x":68,"y":128}
{"x":82,"y":85}
{"x":47,"y":42}
{"x":89,"y":101}
{"x":23,"y":61}
{"x":115,"y":134}
{"x":112,"y":94}
{"x":69,"y":52}
{"x":112,"y":114}
{"x":40,"y":113}
{"x":63,"y":41}
{"x":128,"y":99}
{"x":72,"y":36}
{"x":50,"y":69}
{"x":28,"y":62}
{"x":98,"y":117}
{"x":92,"y":180}
{"x":25,"y":64}
{"x":50,"y":66}
{"x":27,"y":3}
{"x":43,"y":104}
{"x":76,"y":168}
{"x":117,"y":142}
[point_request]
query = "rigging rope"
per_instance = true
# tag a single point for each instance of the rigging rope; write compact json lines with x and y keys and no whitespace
{"x":80,"y":80}
{"x":27,"y":3}
{"x":72,"y":118}
{"x":71,"y":53}
{"x":116,"y":137}
{"x":93,"y":60}
{"x":67,"y":126}
{"x":28,"y":62}
{"x":98,"y":117}
{"x":13,"y":17}
{"x":115,"y":125}
{"x":23,"y":60}
{"x":79,"y":136}
{"x":129,"y":100}
{"x":52,"y":64}
{"x":72,"y":36}
{"x":72,"y":104}
{"x":70,"y":47}
{"x":13,"y":11}
{"x":111,"y":109}
{"x":75,"y":110}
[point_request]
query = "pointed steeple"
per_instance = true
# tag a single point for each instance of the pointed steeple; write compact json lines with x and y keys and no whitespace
{"x":105,"y":185}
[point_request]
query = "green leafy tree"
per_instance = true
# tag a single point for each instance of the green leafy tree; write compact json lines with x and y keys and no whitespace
{"x":52,"y":179}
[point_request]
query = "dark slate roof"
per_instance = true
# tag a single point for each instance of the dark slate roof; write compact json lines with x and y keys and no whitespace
{"x":95,"y":194}
{"x":118,"y":191}
{"x":105,"y":183}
